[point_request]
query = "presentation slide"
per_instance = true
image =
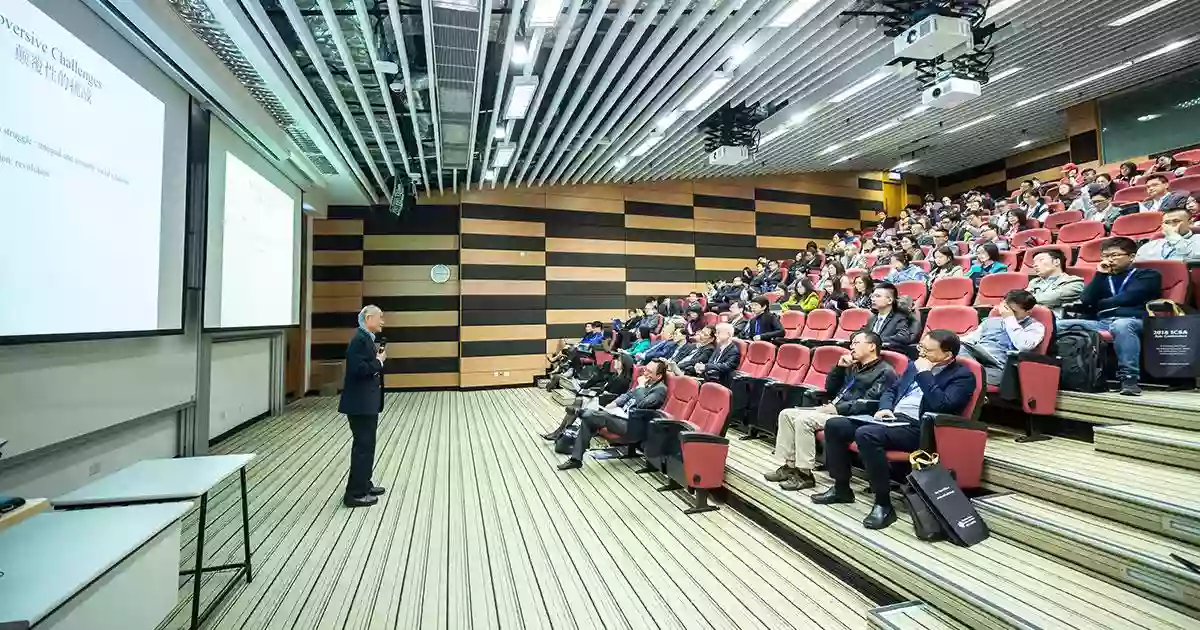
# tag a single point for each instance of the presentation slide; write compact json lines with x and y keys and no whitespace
{"x":82,"y":170}
{"x":257,"y":275}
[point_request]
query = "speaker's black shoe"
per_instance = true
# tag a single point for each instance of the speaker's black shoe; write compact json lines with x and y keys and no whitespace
{"x":880,"y":517}
{"x":363,"y":501}
{"x":377,"y":491}
{"x":570,"y":464}
{"x":833,"y":495}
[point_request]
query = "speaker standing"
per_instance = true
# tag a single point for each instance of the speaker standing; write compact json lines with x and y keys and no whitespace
{"x":362,"y":400}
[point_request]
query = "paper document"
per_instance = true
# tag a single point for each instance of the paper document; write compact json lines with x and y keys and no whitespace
{"x":887,"y":422}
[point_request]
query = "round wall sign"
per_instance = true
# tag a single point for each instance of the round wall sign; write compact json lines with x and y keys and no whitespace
{"x":439,"y":273}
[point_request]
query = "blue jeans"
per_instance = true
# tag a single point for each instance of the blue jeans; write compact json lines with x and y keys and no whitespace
{"x":1127,"y":340}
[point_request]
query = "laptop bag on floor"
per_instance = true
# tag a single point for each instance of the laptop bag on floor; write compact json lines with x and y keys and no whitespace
{"x":945,"y":500}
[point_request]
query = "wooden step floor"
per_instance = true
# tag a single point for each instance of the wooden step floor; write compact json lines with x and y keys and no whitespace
{"x":1179,"y":409}
{"x":911,"y":616}
{"x":1154,"y":497}
{"x":1164,"y":445}
{"x":1118,"y":552}
{"x":994,"y":584}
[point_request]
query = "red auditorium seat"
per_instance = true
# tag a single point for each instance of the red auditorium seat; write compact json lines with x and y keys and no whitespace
{"x":1175,"y":279}
{"x":1031,"y":238}
{"x":783,"y":274}
{"x":820,"y":325}
{"x":1120,"y":184}
{"x":914,"y":289}
{"x":1037,"y":374}
{"x":711,"y":319}
{"x":1130,"y":195}
{"x":923,"y":264}
{"x":851,"y":275}
{"x":898,"y":361}
{"x":993,"y":287}
{"x":1188,"y":157}
{"x":1138,"y":225}
{"x":952,"y":291}
{"x":1081,"y":232}
{"x":1191,"y":170}
{"x":793,"y":324}
{"x":1027,"y":258}
{"x":957,"y":319}
{"x":699,"y":462}
{"x":1089,"y":253}
{"x":963,"y":248}
{"x":1146,"y":165}
{"x":1188,"y":184}
{"x":772,"y":297}
{"x":759,"y":359}
{"x":1012,"y":258}
{"x":870,"y":260}
{"x":963,"y":261}
{"x":851,"y":321}
{"x":1057,"y":220}
{"x":746,"y":385}
{"x":1087,"y":273}
{"x":880,"y":272}
{"x":744,"y":352}
{"x":1055,"y":207}
{"x":820,"y":365}
{"x":791,"y":364}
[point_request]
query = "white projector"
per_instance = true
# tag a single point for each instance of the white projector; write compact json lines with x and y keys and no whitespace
{"x":729,"y":155}
{"x":950,"y":92}
{"x":932,"y":37}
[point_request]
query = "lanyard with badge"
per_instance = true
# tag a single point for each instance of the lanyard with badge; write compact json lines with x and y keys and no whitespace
{"x":845,"y":388}
{"x":1117,"y":291}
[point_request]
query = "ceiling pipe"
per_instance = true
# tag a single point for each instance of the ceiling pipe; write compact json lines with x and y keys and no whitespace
{"x":431,"y":68}
{"x":480,"y":62}
{"x":364,"y":23}
{"x":501,"y":85}
{"x":402,"y":52}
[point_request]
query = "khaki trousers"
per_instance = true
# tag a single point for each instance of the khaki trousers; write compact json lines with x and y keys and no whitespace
{"x":796,"y":437}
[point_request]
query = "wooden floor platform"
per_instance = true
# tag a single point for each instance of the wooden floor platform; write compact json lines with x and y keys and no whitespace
{"x":998,"y":583}
{"x":1165,"y":445}
{"x":911,"y":616}
{"x":1179,"y":409}
{"x":479,"y":531}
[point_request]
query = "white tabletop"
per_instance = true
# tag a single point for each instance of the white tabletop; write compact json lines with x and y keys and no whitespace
{"x":176,"y":478}
{"x":49,"y":558}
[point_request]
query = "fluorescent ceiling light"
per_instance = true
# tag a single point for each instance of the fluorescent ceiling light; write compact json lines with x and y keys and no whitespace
{"x":504,"y":154}
{"x":489,"y":175}
{"x":1022,"y":144}
{"x":972,"y":123}
{"x":645,"y":147}
{"x":876,"y":131}
{"x":1142,"y":11}
{"x":620,"y":163}
{"x":1095,"y":77}
{"x":996,"y":7}
{"x":1148,"y":117}
{"x":916,"y":111}
{"x":1031,"y":99}
{"x":544,"y":12}
{"x":740,"y":54}
{"x":860,"y":86}
{"x":792,"y":13}
{"x":499,"y":133}
{"x":802,"y":116}
{"x":715,"y":84}
{"x":668,"y":119}
{"x":387,"y":67}
{"x":845,"y":158}
{"x":903,"y":165}
{"x":520,"y":54}
{"x":779,"y":131}
{"x":1165,"y":49}
{"x":1003,"y":75}
{"x":520,"y":96}
{"x":831,"y":148}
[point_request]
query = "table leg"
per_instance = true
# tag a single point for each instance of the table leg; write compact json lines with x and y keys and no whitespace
{"x":199,"y":562}
{"x":246,"y":527}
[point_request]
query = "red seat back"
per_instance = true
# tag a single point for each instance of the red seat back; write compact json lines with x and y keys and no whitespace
{"x":993,"y":287}
{"x":1188,"y":184}
{"x":952,"y":291}
{"x":759,"y":359}
{"x":1087,"y":273}
{"x":963,"y":247}
{"x":880,"y":272}
{"x":1138,"y":225}
{"x":772,"y":297}
{"x":961,"y":449}
{"x":791,"y":363}
{"x":711,"y":409}
{"x":682,"y":392}
{"x":958,"y":319}
{"x":637,"y":373}
{"x":1192,"y":170}
{"x":783,"y":274}
{"x":963,"y":261}
{"x":1175,"y":278}
{"x":1011,"y":258}
{"x":1057,"y":220}
{"x":1080,"y":232}
{"x":1146,"y":165}
{"x":820,"y":325}
{"x":870,"y":260}
{"x":824,"y":359}
{"x":743,"y":347}
{"x":914,"y":289}
{"x":1089,"y":253}
{"x":1188,"y":157}
{"x":602,"y":358}
{"x":793,"y":324}
{"x":851,"y":321}
{"x":898,"y":361}
{"x":711,"y":319}
{"x":1132,"y":194}
{"x":1030,"y":238}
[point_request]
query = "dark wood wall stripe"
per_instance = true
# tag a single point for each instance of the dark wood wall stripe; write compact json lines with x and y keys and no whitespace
{"x":502,"y":348}
{"x":658,"y":209}
{"x":870,"y":184}
{"x":402,"y":257}
{"x":502,"y":272}
{"x":421,"y":365}
{"x":503,"y":317}
{"x":494,"y":241}
{"x":727,"y":203}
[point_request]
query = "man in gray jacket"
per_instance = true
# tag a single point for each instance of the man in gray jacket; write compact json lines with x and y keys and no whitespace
{"x":651,"y":393}
{"x":1053,"y":287}
{"x":1178,"y":242}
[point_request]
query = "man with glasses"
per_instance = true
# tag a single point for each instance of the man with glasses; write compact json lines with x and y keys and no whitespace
{"x":1103,"y":209}
{"x":1177,"y":242}
{"x":859,"y":379}
{"x":1115,"y":301}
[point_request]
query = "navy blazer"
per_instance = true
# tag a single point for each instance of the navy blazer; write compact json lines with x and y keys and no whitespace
{"x":945,"y":392}
{"x":724,"y":362}
{"x":362,"y":391}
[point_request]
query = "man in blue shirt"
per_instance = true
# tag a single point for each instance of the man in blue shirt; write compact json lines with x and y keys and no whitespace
{"x":934,"y":383}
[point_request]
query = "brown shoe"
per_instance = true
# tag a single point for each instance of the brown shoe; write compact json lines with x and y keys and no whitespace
{"x":799,"y":480}
{"x":783,"y":473}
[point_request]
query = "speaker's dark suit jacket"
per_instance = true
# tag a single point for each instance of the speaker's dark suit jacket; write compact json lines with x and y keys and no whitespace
{"x":362,"y":391}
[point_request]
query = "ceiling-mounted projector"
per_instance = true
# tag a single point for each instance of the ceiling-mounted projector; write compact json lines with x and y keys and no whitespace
{"x":950,"y":92}
{"x":933,"y":37}
{"x":729,"y":155}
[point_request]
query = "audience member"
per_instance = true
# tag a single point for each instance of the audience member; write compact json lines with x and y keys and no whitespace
{"x":1088,"y":175}
{"x":806,"y":261}
{"x":684,"y":360}
{"x":1013,"y":330}
{"x":728,"y":294}
{"x":944,"y":265}
{"x":940,"y":237}
{"x":990,"y":234}
{"x":1193,"y":208}
{"x":1157,"y":186}
{"x":769,"y":279}
{"x":1033,"y":208}
{"x":608,"y":383}
{"x":903,"y":270}
{"x":1166,"y":164}
{"x":908,"y":245}
{"x":1115,"y":301}
{"x":887,"y":321}
{"x":856,"y":383}
{"x":1127,"y":173}
{"x":737,"y":318}
{"x":693,"y":321}
{"x":1177,"y":242}
{"x":935,"y":383}
{"x":864,"y":290}
{"x":803,"y":297}
{"x":851,"y":259}
{"x":748,"y":275}
{"x":725,"y":356}
{"x":673,"y":334}
{"x":641,"y":341}
{"x":921,"y":232}
{"x":987,"y":261}
{"x":765,"y":325}
{"x":969,"y":230}
{"x":1052,"y":287}
{"x":651,"y":393}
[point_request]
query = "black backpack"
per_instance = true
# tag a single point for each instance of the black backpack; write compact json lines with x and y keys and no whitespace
{"x":1082,"y":360}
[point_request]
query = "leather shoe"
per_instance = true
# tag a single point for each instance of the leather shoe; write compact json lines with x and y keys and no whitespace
{"x":880,"y":517}
{"x":364,"y":501}
{"x":570,"y":464}
{"x":833,"y":495}
{"x":549,"y":437}
{"x":377,"y":491}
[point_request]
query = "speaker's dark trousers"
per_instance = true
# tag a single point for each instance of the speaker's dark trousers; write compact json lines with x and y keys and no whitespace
{"x":362,"y":454}
{"x":590,"y":422}
{"x":873,"y":440}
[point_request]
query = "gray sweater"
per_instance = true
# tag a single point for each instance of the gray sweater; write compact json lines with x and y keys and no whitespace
{"x":1057,"y":291}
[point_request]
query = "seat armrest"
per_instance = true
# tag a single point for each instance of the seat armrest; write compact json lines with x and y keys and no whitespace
{"x":762,"y":380}
{"x":700,"y":437}
{"x":675,"y":423}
